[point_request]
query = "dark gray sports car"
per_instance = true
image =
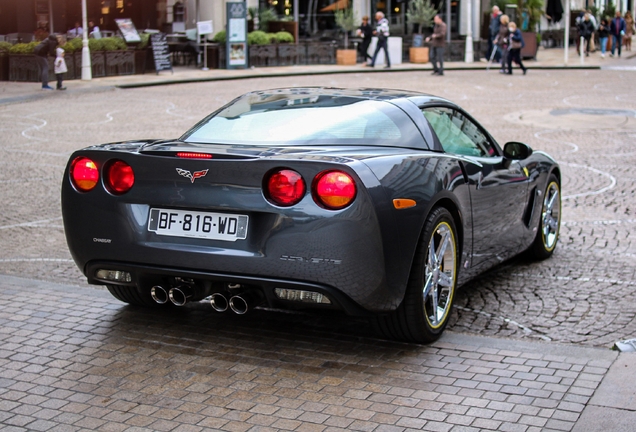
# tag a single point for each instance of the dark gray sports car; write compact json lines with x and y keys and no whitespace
{"x":374,"y":202}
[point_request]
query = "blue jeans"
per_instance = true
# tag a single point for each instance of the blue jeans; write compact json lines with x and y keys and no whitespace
{"x":603,"y":42}
{"x":617,"y":40}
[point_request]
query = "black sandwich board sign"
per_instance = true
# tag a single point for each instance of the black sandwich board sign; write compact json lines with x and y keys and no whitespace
{"x":236,"y":40}
{"x":160,"y":52}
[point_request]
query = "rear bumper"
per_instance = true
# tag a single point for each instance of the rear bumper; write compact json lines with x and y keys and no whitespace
{"x":143,"y":277}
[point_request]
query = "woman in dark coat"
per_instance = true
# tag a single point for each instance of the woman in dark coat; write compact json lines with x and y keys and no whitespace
{"x":366,"y":32}
{"x":514,"y":51}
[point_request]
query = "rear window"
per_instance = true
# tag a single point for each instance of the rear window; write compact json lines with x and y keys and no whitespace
{"x":324,"y":120}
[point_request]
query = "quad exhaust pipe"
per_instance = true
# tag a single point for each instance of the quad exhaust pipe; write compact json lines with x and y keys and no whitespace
{"x":240,"y":304}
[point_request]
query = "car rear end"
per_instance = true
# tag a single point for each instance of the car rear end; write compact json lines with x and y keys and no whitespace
{"x":175,"y":222}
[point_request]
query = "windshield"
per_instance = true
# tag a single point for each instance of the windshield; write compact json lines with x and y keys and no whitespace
{"x":303,"y":119}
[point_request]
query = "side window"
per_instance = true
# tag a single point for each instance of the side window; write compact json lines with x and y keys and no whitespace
{"x":457,"y":134}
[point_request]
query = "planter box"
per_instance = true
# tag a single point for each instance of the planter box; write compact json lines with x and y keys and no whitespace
{"x":346,"y":57}
{"x":4,"y":67}
{"x":119,"y":63}
{"x":531,"y":46}
{"x":24,"y":67}
{"x":418,"y":54}
{"x":98,"y":64}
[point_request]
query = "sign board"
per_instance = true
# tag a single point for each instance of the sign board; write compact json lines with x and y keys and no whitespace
{"x":236,"y":41}
{"x":205,"y":27}
{"x":160,"y":52}
{"x":128,"y":30}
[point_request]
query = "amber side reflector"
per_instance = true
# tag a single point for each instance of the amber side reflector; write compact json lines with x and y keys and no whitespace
{"x":188,"y":155}
{"x":402,"y":203}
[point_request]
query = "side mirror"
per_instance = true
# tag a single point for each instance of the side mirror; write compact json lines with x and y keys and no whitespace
{"x":516,"y":151}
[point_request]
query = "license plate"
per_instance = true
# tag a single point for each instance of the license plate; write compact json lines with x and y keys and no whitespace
{"x":205,"y":225}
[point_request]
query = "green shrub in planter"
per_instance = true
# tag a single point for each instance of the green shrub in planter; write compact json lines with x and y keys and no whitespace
{"x":220,"y":37}
{"x":284,"y":37}
{"x":258,"y":37}
{"x":5,"y":46}
{"x":23,"y":48}
{"x":73,"y":45}
{"x":95,"y":45}
{"x":113,"y":44}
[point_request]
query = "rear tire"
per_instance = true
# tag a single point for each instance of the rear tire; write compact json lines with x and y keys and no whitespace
{"x":131,"y":295}
{"x":430,"y":292}
{"x":550,"y":223}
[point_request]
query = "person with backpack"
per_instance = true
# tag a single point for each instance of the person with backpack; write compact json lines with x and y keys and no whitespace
{"x":42,"y":52}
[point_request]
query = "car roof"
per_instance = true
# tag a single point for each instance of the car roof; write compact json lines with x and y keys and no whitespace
{"x":382,"y":94}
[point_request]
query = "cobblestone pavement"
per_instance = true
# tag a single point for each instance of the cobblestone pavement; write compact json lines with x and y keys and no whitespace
{"x":74,"y":358}
{"x":71,"y":362}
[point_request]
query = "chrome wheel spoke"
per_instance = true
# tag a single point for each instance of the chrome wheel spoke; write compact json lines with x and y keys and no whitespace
{"x":443,"y":245}
{"x":428,"y":286}
{"x":445,"y":280}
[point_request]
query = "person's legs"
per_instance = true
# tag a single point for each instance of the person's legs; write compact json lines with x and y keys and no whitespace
{"x":440,"y":59}
{"x":519,"y":62}
{"x":386,"y":53}
{"x":44,"y":70}
{"x":375,"y":54}
{"x":510,"y":55}
{"x":619,"y":40}
{"x":603,"y":42}
{"x":587,"y":45}
{"x":434,"y":59}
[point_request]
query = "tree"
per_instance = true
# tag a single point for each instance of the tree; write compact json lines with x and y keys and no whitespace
{"x":347,"y":21}
{"x":421,"y":12}
{"x":534,"y":10}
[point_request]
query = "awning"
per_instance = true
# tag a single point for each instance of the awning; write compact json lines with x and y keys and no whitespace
{"x":339,"y":4}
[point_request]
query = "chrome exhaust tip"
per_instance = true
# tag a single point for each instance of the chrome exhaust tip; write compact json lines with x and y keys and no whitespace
{"x":238,"y":305}
{"x":159,"y":294}
{"x":244,"y":302}
{"x":219,"y":302}
{"x":180,"y":295}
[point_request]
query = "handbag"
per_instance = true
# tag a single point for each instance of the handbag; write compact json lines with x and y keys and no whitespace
{"x":515,"y":45}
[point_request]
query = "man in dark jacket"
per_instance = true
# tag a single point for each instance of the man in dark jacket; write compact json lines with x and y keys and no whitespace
{"x":42,"y":52}
{"x":586,"y":30}
{"x":366,"y":32}
{"x":617,"y":30}
{"x":438,"y":43}
{"x":495,"y":23}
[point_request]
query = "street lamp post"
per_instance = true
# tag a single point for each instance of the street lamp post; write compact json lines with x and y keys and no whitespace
{"x":86,"y":54}
{"x":469,"y":56}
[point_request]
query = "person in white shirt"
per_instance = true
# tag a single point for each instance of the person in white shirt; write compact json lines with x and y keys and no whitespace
{"x":76,"y":31}
{"x":382,"y":32}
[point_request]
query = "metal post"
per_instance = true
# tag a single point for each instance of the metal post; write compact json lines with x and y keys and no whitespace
{"x":448,"y":21}
{"x":582,"y":49}
{"x":469,"y":56}
{"x":51,"y":17}
{"x":87,"y":75}
{"x":566,"y":40}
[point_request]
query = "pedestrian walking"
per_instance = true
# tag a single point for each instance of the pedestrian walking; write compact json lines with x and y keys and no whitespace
{"x":493,"y":28}
{"x":629,"y":31}
{"x":502,"y":42}
{"x":516,"y":44}
{"x":42,"y":52}
{"x":617,"y":30}
{"x":586,"y":30}
{"x":382,"y":32}
{"x":438,"y":43}
{"x":366,"y":32}
{"x":60,"y":68}
{"x":603,"y":35}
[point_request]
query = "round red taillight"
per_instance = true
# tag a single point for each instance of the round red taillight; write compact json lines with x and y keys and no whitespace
{"x":285,"y":187}
{"x":84,"y":174}
{"x":334,"y":189}
{"x":119,"y":177}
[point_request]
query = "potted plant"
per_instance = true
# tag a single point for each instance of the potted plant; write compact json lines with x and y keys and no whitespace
{"x":531,"y":11}
{"x":346,"y":20}
{"x":420,"y":12}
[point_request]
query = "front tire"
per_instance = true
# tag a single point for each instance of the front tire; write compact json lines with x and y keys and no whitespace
{"x":430,"y":292}
{"x":550,"y":223}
